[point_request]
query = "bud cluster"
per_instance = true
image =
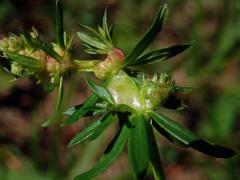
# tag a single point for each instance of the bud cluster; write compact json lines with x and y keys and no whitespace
{"x":43,"y":67}
{"x":18,"y":45}
{"x":12,"y":43}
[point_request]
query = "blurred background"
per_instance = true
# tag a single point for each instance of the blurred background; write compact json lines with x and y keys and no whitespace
{"x":211,"y":65}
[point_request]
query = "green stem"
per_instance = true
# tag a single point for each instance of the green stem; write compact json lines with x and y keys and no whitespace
{"x":155,"y":158}
{"x":86,"y":65}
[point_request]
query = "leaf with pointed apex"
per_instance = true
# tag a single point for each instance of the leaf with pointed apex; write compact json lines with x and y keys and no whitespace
{"x":105,"y":26}
{"x":38,"y":44}
{"x":212,"y":149}
{"x":92,"y":131}
{"x":96,"y":34}
{"x":84,"y":109}
{"x":162,"y":131}
{"x":59,"y":24}
{"x":154,"y":155}
{"x":188,"y":138}
{"x":93,"y":44}
{"x":101,"y":91}
{"x":160,"y":55}
{"x":176,"y":130}
{"x":108,"y":158}
{"x":73,"y":109}
{"x":91,"y":111}
{"x":105,"y":121}
{"x":25,"y":61}
{"x":89,"y":40}
{"x":69,"y":42}
{"x":138,"y":147}
{"x":98,"y":41}
{"x":149,"y":36}
{"x":181,"y":88}
{"x":52,"y":118}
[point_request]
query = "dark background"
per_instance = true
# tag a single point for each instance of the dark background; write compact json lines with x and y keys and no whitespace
{"x":211,"y":65}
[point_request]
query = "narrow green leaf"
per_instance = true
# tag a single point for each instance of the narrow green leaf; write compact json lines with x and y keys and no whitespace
{"x":59,"y":24}
{"x":93,"y":130}
{"x":105,"y":26}
{"x":96,"y":34}
{"x":73,"y":109}
{"x":93,"y":111}
{"x":46,"y":48}
{"x":162,"y":131}
{"x":176,"y":130}
{"x":111,"y":30}
{"x":189,"y":139}
{"x":123,"y":119}
{"x":38,"y":44}
{"x":76,"y":115}
{"x":149,"y":36}
{"x":101,"y":91}
{"x":212,"y":149}
{"x":181,"y":88}
{"x":27,"y":44}
{"x":160,"y":55}
{"x":23,"y":60}
{"x":108,"y":158}
{"x":105,"y":121}
{"x":99,"y":108}
{"x":90,"y":41}
{"x":69,"y":41}
{"x":52,"y":118}
{"x":138,"y":146}
{"x":154,"y":155}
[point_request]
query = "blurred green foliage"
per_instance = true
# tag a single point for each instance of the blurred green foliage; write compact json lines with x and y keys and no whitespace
{"x":211,"y":65}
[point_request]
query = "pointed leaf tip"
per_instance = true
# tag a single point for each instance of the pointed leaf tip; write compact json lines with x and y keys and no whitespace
{"x":148,"y":37}
{"x":176,"y":131}
{"x":82,"y":110}
{"x":108,"y":158}
{"x":212,"y":149}
{"x":101,"y":91}
{"x":160,"y":54}
{"x":52,"y":118}
{"x":138,"y":146}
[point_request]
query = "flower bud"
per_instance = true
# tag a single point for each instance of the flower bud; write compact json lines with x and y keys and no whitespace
{"x":12,"y":43}
{"x":17,"y":69}
{"x":104,"y":69}
{"x":4,"y":44}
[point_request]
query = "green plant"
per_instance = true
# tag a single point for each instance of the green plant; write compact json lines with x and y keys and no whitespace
{"x":128,"y":96}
